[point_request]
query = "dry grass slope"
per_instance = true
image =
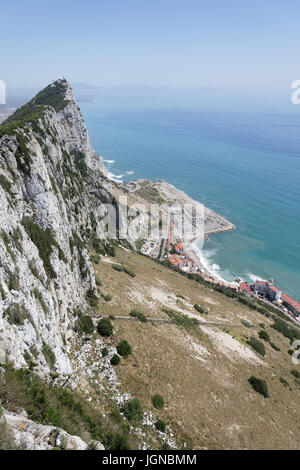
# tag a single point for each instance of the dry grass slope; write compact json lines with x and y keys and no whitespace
{"x":202,"y":374}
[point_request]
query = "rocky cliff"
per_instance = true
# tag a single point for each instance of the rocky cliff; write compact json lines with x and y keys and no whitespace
{"x":48,"y":219}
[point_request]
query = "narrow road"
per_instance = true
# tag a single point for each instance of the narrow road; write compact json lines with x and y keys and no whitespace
{"x":165,"y":320}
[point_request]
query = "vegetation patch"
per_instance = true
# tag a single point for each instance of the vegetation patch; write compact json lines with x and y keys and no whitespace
{"x":160,"y":425}
{"x":264,"y":335}
{"x":39,"y":297}
{"x":115,"y":360}
{"x":295,"y":373}
{"x":181,"y":320}
{"x":158,"y":402}
{"x":139,"y":314}
{"x":259,"y":386}
{"x":85,"y":325}
{"x":257,"y":346}
{"x":66,"y":409}
{"x":199,"y":309}
{"x":48,"y":355}
{"x":44,"y":241}
{"x":121,"y":268}
{"x":124,"y":349}
{"x":16,"y":314}
{"x":105,"y":327}
{"x":92,"y":298}
{"x":133,"y":411}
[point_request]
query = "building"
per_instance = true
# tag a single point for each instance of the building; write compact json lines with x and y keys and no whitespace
{"x":179,"y":248}
{"x":291,"y":304}
{"x":245,"y":288}
{"x":268,"y":289}
{"x":177,"y":262}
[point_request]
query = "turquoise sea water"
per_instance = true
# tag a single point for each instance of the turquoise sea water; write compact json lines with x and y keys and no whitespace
{"x":245,"y":167}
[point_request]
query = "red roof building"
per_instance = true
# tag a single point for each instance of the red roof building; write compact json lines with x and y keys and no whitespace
{"x":244,"y":287}
{"x":293,"y":304}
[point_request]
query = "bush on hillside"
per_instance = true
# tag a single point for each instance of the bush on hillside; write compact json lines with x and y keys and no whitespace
{"x":158,"y":402}
{"x":199,"y":309}
{"x":133,"y":411}
{"x":105,"y":327}
{"x":124,"y":349}
{"x":160,"y":425}
{"x":264,"y":335}
{"x":295,"y":373}
{"x":259,"y":386}
{"x":85,"y":325}
{"x":139,"y":314}
{"x":104,"y":352}
{"x":257,"y":346}
{"x":115,"y":360}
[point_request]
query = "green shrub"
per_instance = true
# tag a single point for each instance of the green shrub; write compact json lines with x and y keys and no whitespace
{"x":16,"y":314}
{"x":160,"y":425}
{"x":295,"y":373}
{"x":180,"y":319}
{"x":133,"y":411}
{"x":264,"y":335}
{"x":199,"y":309}
{"x":284,"y":382}
{"x":104,"y":352}
{"x":124,"y":349}
{"x":44,"y":241}
{"x":85,"y":325}
{"x":115,"y":360}
{"x":48,"y":355}
{"x":39,"y":297}
{"x":107,"y":297}
{"x":259,"y":386}
{"x":158,"y":402}
{"x":98,"y":281}
{"x":275,"y":347}
{"x":121,"y":268}
{"x":105,"y":327}
{"x":95,"y":258}
{"x":92,"y":298}
{"x":139,"y":314}
{"x":257,"y":346}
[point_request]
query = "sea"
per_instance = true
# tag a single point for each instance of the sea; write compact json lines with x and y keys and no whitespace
{"x":244,"y":165}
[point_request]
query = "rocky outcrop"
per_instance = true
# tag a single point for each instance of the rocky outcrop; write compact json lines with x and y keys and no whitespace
{"x":48,"y":219}
{"x":25,"y":434}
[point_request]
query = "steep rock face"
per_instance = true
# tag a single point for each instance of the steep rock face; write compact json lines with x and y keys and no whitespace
{"x":28,"y":435}
{"x":47,"y":220}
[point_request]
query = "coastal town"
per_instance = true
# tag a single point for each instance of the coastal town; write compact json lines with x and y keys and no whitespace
{"x":184,"y":258}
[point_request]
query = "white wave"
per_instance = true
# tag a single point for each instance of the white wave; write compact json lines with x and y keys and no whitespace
{"x":212,"y":268}
{"x":117,"y":178}
{"x":109,"y":161}
{"x":254,"y":278}
{"x":129,"y":172}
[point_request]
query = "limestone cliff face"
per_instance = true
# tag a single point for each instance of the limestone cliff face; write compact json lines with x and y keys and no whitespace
{"x":47,"y":220}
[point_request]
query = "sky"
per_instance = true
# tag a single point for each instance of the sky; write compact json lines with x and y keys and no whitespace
{"x":236,"y":44}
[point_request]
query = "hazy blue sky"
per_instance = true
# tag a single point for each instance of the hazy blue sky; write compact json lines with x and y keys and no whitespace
{"x":182,"y":43}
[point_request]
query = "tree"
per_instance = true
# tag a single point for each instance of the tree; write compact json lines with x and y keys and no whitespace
{"x":259,"y":386}
{"x":257,"y":345}
{"x":105,"y":327}
{"x":158,"y":402}
{"x":133,"y":410}
{"x":264,"y":335}
{"x":124,"y":349}
{"x":160,"y":425}
{"x":115,"y":360}
{"x":104,"y":352}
